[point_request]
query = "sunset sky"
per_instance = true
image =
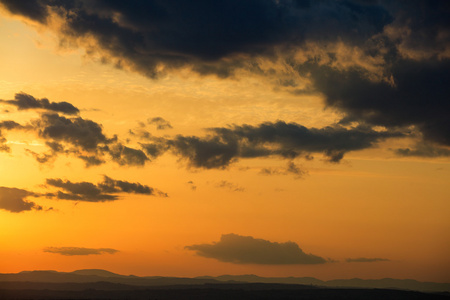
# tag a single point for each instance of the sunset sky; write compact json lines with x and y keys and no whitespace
{"x":188,"y":138}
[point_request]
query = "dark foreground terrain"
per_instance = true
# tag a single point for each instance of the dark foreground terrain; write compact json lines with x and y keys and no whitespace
{"x":235,"y":291}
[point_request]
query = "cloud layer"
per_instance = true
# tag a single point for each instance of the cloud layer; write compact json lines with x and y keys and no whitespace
{"x":239,"y":249}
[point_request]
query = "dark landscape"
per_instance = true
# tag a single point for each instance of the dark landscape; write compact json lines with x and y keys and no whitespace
{"x":100,"y":284}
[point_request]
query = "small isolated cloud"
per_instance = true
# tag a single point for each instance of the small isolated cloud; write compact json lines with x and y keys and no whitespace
{"x":15,"y":200}
{"x":229,"y":185}
{"x":239,"y":249}
{"x":24,"y":101}
{"x":192,"y":185}
{"x":160,"y":123}
{"x":364,"y":259}
{"x":424,"y":150}
{"x":291,"y":169}
{"x":71,"y":251}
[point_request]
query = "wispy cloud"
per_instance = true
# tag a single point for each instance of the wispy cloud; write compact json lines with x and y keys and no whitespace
{"x":364,"y":259}
{"x":73,"y":251}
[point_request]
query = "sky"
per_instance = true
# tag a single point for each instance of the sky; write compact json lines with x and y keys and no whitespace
{"x":189,"y":138}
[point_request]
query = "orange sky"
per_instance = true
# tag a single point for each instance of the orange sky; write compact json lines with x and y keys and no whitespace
{"x":373,"y":204}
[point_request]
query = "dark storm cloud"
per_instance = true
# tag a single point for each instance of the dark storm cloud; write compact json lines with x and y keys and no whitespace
{"x":107,"y":190}
{"x":417,"y":96}
{"x":289,"y":140}
{"x":71,"y":251}
{"x":24,"y":101}
{"x":239,"y":249}
{"x":412,"y":84}
{"x":420,"y":28}
{"x":200,"y":34}
{"x":32,"y":9}
{"x":364,"y":259}
{"x":401,"y":79}
{"x":160,"y":123}
{"x":15,"y":200}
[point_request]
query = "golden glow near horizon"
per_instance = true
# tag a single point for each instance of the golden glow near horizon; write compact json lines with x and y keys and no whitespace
{"x":373,"y":204}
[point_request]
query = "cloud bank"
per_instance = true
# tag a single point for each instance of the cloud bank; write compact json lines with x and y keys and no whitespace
{"x":380,"y":63}
{"x":239,"y":249}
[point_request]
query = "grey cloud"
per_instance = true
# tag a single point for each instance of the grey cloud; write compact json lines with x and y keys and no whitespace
{"x":107,"y":190}
{"x":291,"y":169}
{"x":239,"y":249}
{"x":364,"y":259}
{"x":113,"y":186}
{"x":86,"y":134}
{"x":24,"y":101}
{"x":91,"y":160}
{"x":289,"y":140}
{"x":15,"y":200}
{"x":71,"y":251}
{"x":76,"y":136}
{"x":8,"y":125}
{"x":192,"y":185}
{"x":84,"y":191}
{"x":229,"y":185}
{"x":294,"y":169}
{"x":42,"y":158}
{"x":124,"y":155}
{"x":160,"y":123}
{"x":210,"y":152}
{"x":424,"y":150}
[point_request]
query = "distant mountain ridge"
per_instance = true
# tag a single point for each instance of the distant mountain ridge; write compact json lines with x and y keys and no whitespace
{"x":98,"y":275}
{"x":385,"y":283}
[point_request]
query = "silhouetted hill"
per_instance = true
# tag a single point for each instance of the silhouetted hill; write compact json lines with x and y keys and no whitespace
{"x":235,"y":291}
{"x":85,"y":276}
{"x":386,"y":283}
{"x":96,"y":272}
{"x":111,"y":280}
